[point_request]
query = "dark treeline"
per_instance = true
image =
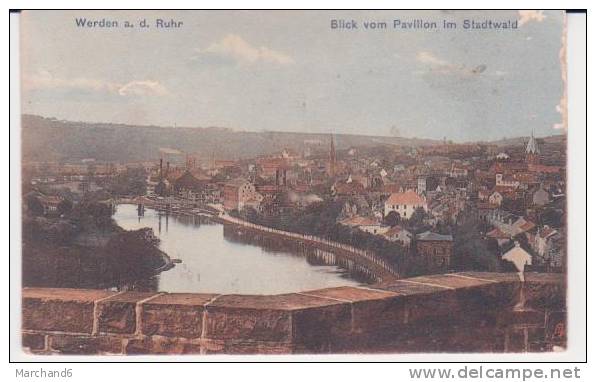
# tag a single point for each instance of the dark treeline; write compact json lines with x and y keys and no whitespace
{"x":84,"y":248}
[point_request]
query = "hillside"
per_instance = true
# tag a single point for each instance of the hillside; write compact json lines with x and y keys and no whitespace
{"x":46,"y":139}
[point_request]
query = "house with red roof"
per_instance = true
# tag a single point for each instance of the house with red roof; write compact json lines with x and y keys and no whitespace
{"x":405,"y":203}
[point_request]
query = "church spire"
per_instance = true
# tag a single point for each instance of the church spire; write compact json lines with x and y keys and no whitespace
{"x":532,"y":147}
{"x":332,"y":158}
{"x":532,"y":151}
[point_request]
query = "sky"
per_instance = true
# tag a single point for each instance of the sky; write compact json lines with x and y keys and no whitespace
{"x":290,"y":71}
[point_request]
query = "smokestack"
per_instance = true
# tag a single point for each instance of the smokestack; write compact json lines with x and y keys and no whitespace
{"x":167,"y":169}
{"x":160,"y":168}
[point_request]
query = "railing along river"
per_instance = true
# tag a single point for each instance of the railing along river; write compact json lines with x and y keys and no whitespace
{"x":384,"y":270}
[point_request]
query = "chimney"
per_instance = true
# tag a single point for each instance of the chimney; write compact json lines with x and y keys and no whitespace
{"x":167,"y":169}
{"x":160,"y":168}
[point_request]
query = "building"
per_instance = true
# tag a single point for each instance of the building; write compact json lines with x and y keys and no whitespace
{"x":458,"y":171}
{"x":405,"y":203}
{"x":495,"y":198}
{"x":548,"y":245}
{"x":239,"y":193}
{"x":508,"y":223}
{"x":366,"y":224}
{"x":399,"y":234}
{"x":503,"y":182}
{"x":189,"y":182}
{"x":483,"y":194}
{"x":50,"y":204}
{"x":436,"y":249}
{"x":347,"y":188}
{"x":501,"y":237}
{"x":540,"y":197}
{"x":519,"y":257}
{"x":532,"y":151}
{"x":273,"y":168}
{"x":194,"y":188}
{"x":421,"y":188}
{"x":163,"y":186}
{"x":502,"y":156}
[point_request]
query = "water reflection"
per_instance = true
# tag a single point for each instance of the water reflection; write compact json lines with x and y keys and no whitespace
{"x":218,"y":258}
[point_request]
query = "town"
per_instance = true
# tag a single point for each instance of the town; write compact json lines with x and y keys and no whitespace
{"x":426,"y":209}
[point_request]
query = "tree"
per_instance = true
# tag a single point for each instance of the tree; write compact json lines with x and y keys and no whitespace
{"x":392,"y":219}
{"x":249,"y":214}
{"x":132,"y":255}
{"x":552,"y":218}
{"x":91,"y":213}
{"x":130,"y":182}
{"x":417,"y":218}
{"x":471,"y":251}
{"x":64,"y":207}
{"x":34,"y":205}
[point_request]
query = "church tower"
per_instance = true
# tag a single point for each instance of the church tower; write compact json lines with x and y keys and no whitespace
{"x":332,"y":158}
{"x":532,"y":151}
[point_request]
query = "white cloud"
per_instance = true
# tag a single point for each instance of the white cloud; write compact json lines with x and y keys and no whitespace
{"x":142,"y":88}
{"x":46,"y":80}
{"x":438,"y":65}
{"x":237,"y":48}
{"x":530,"y":15}
{"x":430,"y":59}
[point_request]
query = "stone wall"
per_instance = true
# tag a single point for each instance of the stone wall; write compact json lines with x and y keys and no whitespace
{"x":467,"y":311}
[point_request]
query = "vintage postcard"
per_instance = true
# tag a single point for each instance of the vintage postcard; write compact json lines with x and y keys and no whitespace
{"x":293,"y":182}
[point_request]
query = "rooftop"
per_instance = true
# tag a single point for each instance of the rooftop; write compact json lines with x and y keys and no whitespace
{"x":409,"y":197}
{"x":433,"y":236}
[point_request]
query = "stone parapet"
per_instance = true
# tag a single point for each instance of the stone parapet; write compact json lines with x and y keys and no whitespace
{"x":468,"y":311}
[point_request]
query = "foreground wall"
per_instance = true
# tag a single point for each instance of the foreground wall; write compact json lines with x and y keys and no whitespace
{"x":468,"y":311}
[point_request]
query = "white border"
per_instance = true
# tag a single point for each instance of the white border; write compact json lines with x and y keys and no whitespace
{"x":577,"y":229}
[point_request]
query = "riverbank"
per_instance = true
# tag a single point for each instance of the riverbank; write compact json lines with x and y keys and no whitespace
{"x":71,"y":253}
{"x":380,"y":267}
{"x":225,"y":258}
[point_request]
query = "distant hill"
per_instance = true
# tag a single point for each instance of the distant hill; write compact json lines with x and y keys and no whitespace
{"x":48,"y":139}
{"x":552,"y":139}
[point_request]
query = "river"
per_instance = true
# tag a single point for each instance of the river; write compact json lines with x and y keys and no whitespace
{"x":213,"y":260}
